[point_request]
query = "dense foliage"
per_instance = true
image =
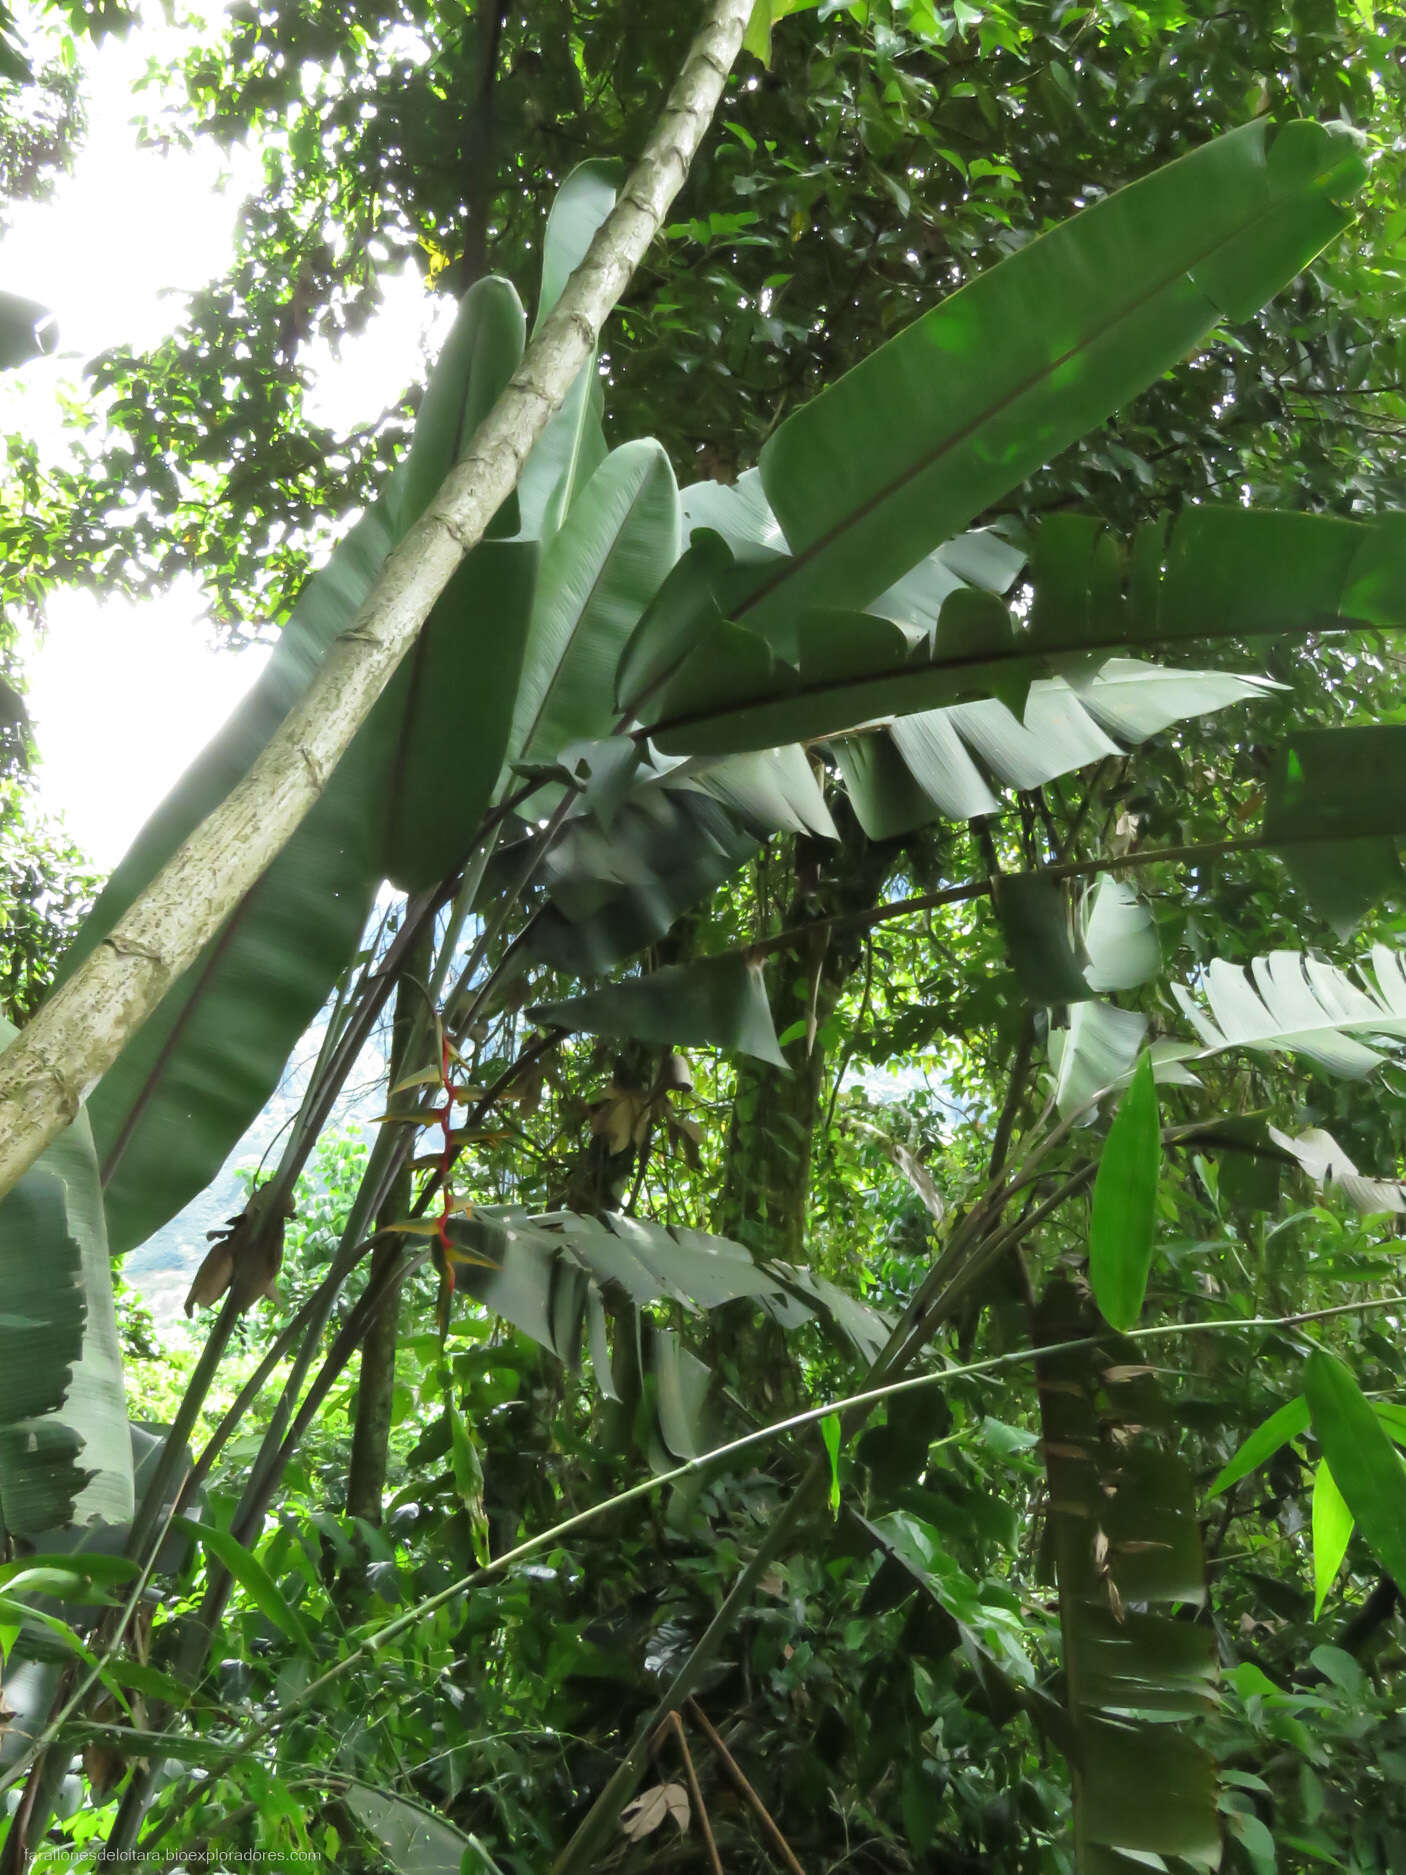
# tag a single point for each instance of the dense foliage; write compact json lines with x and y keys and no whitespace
{"x":814,"y":948}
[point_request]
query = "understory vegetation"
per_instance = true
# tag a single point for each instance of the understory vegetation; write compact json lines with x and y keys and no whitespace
{"x":859,"y":1327}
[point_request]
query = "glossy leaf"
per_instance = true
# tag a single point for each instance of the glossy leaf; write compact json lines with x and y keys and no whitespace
{"x":1125,"y":1203}
{"x":1332,"y":1524}
{"x":973,"y":397}
{"x":598,"y":573}
{"x":1363,"y":1461}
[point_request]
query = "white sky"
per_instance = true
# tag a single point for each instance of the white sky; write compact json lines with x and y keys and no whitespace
{"x":123,"y":695}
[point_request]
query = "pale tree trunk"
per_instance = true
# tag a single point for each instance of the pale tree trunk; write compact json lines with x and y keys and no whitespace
{"x":84,"y":1027}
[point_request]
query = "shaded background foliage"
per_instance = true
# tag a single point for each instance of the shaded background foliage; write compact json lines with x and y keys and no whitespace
{"x":884,"y":1692}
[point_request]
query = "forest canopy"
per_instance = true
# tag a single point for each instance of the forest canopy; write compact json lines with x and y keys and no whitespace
{"x":837,"y":752}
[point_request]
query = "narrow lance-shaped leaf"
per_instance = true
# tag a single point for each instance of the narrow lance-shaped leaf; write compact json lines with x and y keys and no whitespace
{"x":1361,"y":1457}
{"x":253,"y":1578}
{"x":1285,"y":1423}
{"x":1125,"y":1202}
{"x":1332,"y":1523}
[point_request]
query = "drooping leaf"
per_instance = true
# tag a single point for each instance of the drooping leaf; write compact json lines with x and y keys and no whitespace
{"x":1284,"y":1424}
{"x":1290,"y":1002}
{"x":1337,"y":805}
{"x":1332,"y":1523}
{"x":65,"y":1455}
{"x":1325,"y":1162}
{"x":943,"y":763}
{"x":1099,"y":1046}
{"x":1364,"y":1464}
{"x":1119,"y":936}
{"x":717,"y":1002}
{"x":253,"y":1578}
{"x":539,"y":1273}
{"x":1125,"y":1202}
{"x":610,"y":893}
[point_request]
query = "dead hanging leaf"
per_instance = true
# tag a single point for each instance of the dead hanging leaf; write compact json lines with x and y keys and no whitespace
{"x":676,"y":1073}
{"x":621,"y":1116}
{"x":905,"y":1160}
{"x":246,"y":1254}
{"x":685,"y":1137}
{"x":642,"y":1817}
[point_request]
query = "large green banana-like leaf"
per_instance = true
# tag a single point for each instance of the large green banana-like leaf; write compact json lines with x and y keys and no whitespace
{"x":1289,"y":1002}
{"x":976,"y":395}
{"x":572,"y":446}
{"x":704,"y":684}
{"x":714,"y":1001}
{"x":182,"y":1092}
{"x":599,"y":571}
{"x":65,"y":1454}
{"x":560,"y":1277}
{"x":1337,"y":806}
{"x":948,"y":763}
{"x":1126,"y":1549}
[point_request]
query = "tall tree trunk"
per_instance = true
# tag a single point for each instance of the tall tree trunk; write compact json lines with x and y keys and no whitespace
{"x":771,"y":1134}
{"x":80,"y":1032}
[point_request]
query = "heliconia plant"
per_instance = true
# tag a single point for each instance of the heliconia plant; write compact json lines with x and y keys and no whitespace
{"x":595,"y":695}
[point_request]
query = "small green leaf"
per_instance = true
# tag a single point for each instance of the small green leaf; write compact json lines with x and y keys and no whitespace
{"x":830,"y":1432}
{"x":1125,"y":1200}
{"x":1332,"y":1527}
{"x":1365,"y":1466}
{"x":252,"y":1577}
{"x":1285,"y":1423}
